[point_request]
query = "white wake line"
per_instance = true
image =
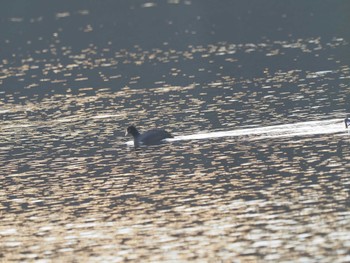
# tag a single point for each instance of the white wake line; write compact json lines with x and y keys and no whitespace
{"x":275,"y":131}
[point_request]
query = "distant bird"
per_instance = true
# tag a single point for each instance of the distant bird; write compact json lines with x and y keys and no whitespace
{"x":150,"y":137}
{"x":347,"y":122}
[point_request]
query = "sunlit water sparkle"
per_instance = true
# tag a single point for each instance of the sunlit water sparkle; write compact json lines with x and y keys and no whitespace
{"x":258,"y":170}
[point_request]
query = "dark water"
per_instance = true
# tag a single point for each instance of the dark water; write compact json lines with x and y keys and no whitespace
{"x":255,"y":94}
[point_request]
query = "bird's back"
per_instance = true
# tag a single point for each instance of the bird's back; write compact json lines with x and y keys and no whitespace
{"x":154,"y":136}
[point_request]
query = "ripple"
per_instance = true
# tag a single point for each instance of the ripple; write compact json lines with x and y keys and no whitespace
{"x":258,"y":169}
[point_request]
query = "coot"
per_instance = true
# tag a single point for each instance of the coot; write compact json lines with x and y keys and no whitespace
{"x":150,"y":137}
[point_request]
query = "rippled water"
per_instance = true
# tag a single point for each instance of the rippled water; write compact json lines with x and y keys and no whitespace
{"x":258,"y":169}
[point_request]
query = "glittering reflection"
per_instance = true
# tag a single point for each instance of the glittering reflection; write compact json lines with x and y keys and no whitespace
{"x":258,"y":170}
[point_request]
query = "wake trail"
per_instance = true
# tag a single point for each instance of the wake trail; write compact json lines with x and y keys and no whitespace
{"x":274,"y":131}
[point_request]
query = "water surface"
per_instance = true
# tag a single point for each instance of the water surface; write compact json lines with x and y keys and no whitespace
{"x":258,"y":170}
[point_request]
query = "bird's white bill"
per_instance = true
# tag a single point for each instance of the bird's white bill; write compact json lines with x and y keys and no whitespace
{"x":126,"y":133}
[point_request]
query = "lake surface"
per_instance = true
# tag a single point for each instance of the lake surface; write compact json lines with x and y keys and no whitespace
{"x":255,"y":96}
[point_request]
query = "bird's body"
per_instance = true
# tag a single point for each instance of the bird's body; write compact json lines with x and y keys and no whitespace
{"x":154,"y":136}
{"x":347,"y":122}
